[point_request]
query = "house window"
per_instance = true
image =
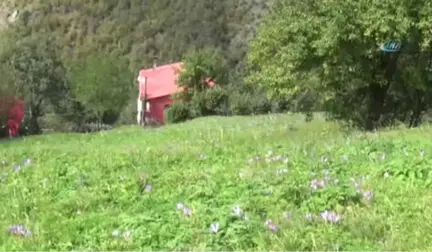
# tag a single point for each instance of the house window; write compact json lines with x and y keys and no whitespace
{"x":148,"y":107}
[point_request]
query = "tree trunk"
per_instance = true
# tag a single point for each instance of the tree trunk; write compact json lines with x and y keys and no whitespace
{"x":33,"y":124}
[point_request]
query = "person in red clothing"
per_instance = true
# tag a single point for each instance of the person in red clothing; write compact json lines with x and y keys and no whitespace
{"x":13,"y":127}
{"x":16,"y":116}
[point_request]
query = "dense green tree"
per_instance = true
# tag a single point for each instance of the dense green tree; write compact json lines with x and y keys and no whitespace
{"x":330,"y":48}
{"x":201,"y":68}
{"x":101,"y":84}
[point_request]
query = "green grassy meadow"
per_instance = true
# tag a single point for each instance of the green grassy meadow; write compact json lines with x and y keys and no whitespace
{"x":241,"y":183}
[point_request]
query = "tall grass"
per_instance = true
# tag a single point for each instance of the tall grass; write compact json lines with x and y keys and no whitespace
{"x":241,"y":183}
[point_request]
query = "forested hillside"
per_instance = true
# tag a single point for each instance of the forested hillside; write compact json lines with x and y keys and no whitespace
{"x":142,"y":29}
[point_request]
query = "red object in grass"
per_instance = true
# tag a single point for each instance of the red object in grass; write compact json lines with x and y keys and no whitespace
{"x":12,"y":109}
{"x":13,"y":127}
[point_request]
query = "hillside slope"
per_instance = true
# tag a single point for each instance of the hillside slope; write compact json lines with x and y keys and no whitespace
{"x":241,"y":183}
{"x":142,"y":30}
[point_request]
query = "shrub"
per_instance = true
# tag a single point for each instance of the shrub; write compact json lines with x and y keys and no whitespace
{"x":178,"y":112}
{"x":128,"y":114}
{"x":242,"y":103}
{"x":213,"y":101}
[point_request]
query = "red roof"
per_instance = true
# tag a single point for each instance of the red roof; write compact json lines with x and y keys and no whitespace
{"x":161,"y":81}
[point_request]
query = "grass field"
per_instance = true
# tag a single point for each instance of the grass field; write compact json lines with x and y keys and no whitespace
{"x":241,"y":183}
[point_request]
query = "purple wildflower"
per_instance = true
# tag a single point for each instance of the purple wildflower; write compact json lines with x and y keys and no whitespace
{"x":331,"y":217}
{"x":148,"y":188}
{"x":317,"y":184}
{"x":180,"y":206}
{"x":214,"y":227}
{"x":17,"y":168}
{"x":187,"y":211}
{"x":270,"y":225}
{"x":345,"y":158}
{"x":115,"y":233}
{"x":127,"y":234}
{"x":314,"y":184}
{"x":356,"y":184}
{"x":254,"y":159}
{"x":237,"y":211}
{"x":27,"y":161}
{"x":368,"y":195}
{"x":19,"y":230}
{"x":281,"y":171}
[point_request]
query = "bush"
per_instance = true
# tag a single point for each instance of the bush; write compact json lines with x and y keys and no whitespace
{"x":242,"y":103}
{"x":178,"y":112}
{"x":128,"y":114}
{"x":213,"y":101}
{"x":281,"y":105}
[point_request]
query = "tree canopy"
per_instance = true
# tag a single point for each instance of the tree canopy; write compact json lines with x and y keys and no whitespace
{"x":331,"y":47}
{"x":33,"y":69}
{"x":141,"y":30}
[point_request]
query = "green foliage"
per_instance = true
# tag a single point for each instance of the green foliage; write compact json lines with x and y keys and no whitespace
{"x":247,"y":103}
{"x":168,"y":31}
{"x":101,"y":84}
{"x":331,"y":48}
{"x":200,"y":68}
{"x":202,"y":65}
{"x":178,"y":112}
{"x":7,"y":93}
{"x":222,"y":99}
{"x":92,"y":192}
{"x":128,"y":115}
{"x":212,"y":101}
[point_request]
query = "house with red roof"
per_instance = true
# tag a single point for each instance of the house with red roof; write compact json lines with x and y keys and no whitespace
{"x":156,"y":85}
